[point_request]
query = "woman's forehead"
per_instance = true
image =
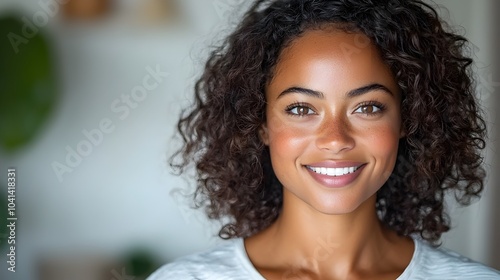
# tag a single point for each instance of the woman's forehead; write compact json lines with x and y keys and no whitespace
{"x":331,"y":57}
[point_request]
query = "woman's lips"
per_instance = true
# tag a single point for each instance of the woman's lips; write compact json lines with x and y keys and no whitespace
{"x":335,"y":177}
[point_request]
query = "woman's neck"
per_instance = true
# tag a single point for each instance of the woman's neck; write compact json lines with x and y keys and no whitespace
{"x":304,"y":239}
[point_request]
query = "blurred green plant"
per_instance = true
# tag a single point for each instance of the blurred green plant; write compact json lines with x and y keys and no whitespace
{"x":140,"y":263}
{"x":27,"y":80}
{"x":28,"y":90}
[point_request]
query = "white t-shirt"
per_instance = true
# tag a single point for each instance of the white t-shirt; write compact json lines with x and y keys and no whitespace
{"x":230,"y":262}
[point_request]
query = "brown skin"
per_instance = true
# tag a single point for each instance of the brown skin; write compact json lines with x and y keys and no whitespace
{"x":326,"y":232}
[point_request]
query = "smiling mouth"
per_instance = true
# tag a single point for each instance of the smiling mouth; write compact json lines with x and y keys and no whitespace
{"x":334,"y":171}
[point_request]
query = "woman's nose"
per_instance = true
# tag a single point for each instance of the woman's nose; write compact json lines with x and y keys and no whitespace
{"x":334,"y":135}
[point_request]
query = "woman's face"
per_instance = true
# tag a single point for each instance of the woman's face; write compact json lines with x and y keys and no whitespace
{"x":333,"y":121}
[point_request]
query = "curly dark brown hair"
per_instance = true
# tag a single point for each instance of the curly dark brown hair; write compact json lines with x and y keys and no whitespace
{"x":442,"y":120}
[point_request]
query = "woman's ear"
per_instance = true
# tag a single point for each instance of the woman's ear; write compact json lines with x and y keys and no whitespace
{"x":402,"y":132}
{"x":264,"y":134}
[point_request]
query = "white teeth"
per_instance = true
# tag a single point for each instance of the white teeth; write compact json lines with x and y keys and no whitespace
{"x":334,"y":171}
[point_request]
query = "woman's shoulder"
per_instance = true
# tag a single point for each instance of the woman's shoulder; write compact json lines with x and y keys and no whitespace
{"x":221,"y":262}
{"x":439,"y":263}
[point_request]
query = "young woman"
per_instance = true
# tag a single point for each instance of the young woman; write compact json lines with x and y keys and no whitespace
{"x":329,"y":131}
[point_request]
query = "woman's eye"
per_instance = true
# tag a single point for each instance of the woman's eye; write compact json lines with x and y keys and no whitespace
{"x":300,"y":110}
{"x":368,"y":109}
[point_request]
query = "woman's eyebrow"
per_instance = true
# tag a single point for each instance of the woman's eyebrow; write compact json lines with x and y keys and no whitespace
{"x":368,"y":88}
{"x":301,"y":90}
{"x":350,"y":94}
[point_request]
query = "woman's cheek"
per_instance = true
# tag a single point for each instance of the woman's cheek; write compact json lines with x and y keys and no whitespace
{"x":383,"y":143}
{"x":280,"y":125}
{"x":289,"y":136}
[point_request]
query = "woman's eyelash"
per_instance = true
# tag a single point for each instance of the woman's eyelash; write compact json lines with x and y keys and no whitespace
{"x":299,"y":109}
{"x":365,"y":105}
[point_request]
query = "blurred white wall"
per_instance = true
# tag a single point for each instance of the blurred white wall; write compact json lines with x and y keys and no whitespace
{"x":120,"y":195}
